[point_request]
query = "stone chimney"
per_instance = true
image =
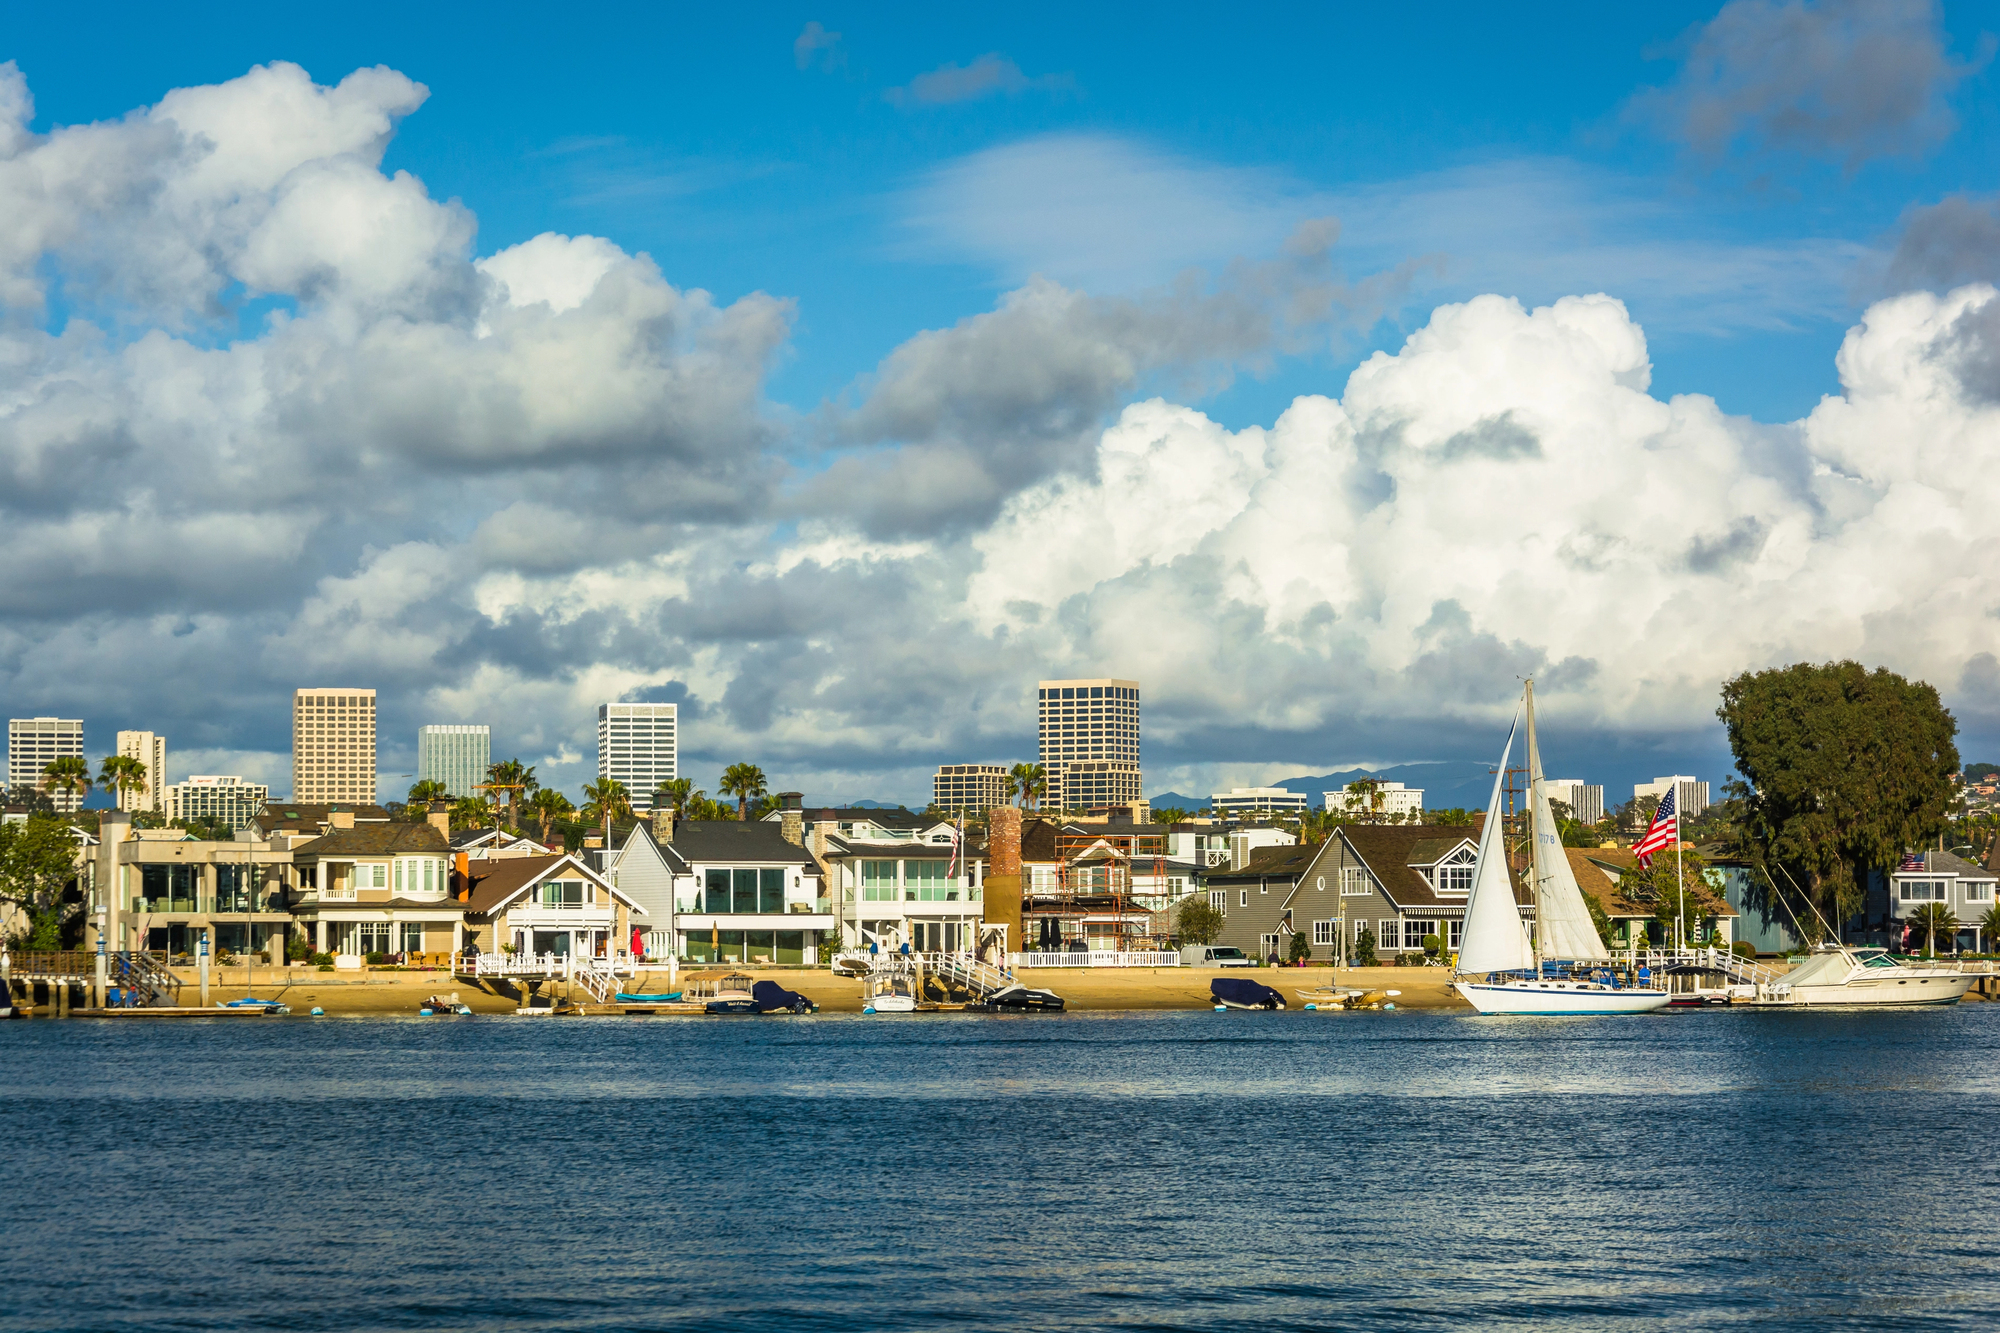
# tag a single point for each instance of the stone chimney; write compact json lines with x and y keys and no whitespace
{"x":663,"y":824}
{"x":113,"y":828}
{"x":792,"y":817}
{"x":340,"y":819}
{"x":441,"y":821}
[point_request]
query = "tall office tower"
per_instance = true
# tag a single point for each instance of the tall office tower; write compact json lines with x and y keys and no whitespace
{"x":971,"y":789}
{"x":333,"y":746}
{"x":1090,"y":742}
{"x":638,"y":744}
{"x":457,"y":756}
{"x":1584,"y":799}
{"x":150,"y":750}
{"x":32,"y":743}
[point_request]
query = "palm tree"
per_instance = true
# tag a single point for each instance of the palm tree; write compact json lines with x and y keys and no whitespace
{"x":1170,"y":815}
{"x":68,"y":773}
{"x":424,"y":792}
{"x":1989,"y":927}
{"x":515,"y":779}
{"x":1931,"y":921}
{"x":474,"y":812}
{"x":1032,"y":781}
{"x":549,"y":805}
{"x":121,"y":774}
{"x":608,"y":800}
{"x":674,"y":794}
{"x":743,"y":781}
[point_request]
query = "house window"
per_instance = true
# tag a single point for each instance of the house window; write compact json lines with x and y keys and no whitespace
{"x":1217,"y":897}
{"x":716,"y":891}
{"x":1978,"y":890}
{"x":1354,"y":882}
{"x":563,"y":893}
{"x":1263,"y":887}
{"x":878,"y":881}
{"x":1360,"y":929}
{"x":1454,"y":875}
{"x":1457,"y":932}
{"x":1921,"y":890}
{"x":743,"y":894}
{"x":1388,"y":934}
{"x":399,"y":874}
{"x":1266,"y":945}
{"x":771,"y":889}
{"x":1324,"y":933}
{"x":1243,"y":898}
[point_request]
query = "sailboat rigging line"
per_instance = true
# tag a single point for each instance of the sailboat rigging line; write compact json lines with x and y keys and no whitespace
{"x":1799,"y":889}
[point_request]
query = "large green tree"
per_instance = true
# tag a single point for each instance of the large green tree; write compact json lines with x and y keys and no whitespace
{"x":1196,"y":922}
{"x":1844,"y":770}
{"x":37,"y":862}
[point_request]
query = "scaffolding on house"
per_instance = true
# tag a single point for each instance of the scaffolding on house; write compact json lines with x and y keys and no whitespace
{"x":1094,"y":902}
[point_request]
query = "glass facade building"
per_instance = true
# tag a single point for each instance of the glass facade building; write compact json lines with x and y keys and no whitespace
{"x":456,"y":755}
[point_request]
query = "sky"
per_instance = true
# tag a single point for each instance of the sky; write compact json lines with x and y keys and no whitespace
{"x":838,"y":373}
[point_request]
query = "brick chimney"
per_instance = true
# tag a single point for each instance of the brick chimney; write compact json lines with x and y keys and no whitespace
{"x":340,"y":818}
{"x":441,"y":821}
{"x":1002,"y":890}
{"x":792,"y":817}
{"x":663,"y":824}
{"x":1003,"y":841}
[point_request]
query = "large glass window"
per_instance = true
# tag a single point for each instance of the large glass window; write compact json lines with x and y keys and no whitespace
{"x":1922,"y":890}
{"x":878,"y":881}
{"x":718,"y":891}
{"x":744,"y":895}
{"x":925,"y":882}
{"x":771,"y":890}
{"x":563,"y":893}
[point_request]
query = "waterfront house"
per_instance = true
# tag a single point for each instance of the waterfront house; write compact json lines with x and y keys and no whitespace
{"x":378,"y":887}
{"x":1604,"y":874}
{"x":1963,"y":888}
{"x":745,"y":891}
{"x":640,"y":870}
{"x":538,"y":905}
{"x":290,"y":823}
{"x":162,"y":890}
{"x":1260,"y":898}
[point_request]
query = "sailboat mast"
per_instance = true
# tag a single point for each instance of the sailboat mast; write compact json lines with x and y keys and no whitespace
{"x":1534,"y":843}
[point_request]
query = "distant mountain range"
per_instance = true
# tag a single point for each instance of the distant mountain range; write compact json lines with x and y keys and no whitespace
{"x":1448,"y":783}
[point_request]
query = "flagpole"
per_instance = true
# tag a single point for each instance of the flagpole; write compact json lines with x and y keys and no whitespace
{"x":1680,"y":885}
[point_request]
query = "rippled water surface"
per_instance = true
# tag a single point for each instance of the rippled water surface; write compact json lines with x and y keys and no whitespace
{"x":1178,"y":1170}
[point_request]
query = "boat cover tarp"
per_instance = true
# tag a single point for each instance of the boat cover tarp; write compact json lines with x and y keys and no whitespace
{"x":668,"y":998}
{"x":770,"y":995}
{"x":1241,"y":990}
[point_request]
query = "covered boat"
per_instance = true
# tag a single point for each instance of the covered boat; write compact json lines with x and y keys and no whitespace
{"x":772,"y":998}
{"x":1243,"y":993}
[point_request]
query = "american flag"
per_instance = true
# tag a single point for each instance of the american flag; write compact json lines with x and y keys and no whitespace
{"x":957,"y":844}
{"x":1912,"y":861}
{"x":1665,"y":832}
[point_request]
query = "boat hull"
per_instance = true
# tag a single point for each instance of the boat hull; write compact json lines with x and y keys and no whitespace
{"x":893,"y":1004}
{"x":1890,"y":993}
{"x":1557,"y":998}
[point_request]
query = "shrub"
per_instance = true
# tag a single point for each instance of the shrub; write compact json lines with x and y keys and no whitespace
{"x":322,"y":960}
{"x":373,"y":958}
{"x":1364,"y":948}
{"x":1299,"y":950}
{"x":296,"y":949}
{"x":1433,"y":945}
{"x":1743,"y":949}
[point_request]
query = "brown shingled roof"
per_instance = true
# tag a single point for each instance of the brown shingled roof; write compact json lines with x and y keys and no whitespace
{"x":376,"y":840}
{"x":1390,"y":849}
{"x":507,"y":878}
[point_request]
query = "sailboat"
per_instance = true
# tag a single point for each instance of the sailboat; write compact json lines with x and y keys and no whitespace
{"x":1499,"y":970}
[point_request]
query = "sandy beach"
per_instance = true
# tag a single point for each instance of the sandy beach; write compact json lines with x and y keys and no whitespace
{"x":1083,"y":988}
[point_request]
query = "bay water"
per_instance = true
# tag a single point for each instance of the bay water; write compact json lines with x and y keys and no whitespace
{"x":1185,"y":1170}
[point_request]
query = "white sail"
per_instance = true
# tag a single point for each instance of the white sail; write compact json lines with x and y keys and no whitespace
{"x":1563,"y":925}
{"x":1494,"y":939}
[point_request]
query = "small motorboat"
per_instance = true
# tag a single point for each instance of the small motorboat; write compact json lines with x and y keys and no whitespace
{"x":889,"y":993}
{"x":1243,"y":993}
{"x":1023,"y":999}
{"x":733,"y":994}
{"x":626,"y":997}
{"x":852,"y":964}
{"x":262,"y":1006}
{"x":772,"y":998}
{"x":435,"y":1006}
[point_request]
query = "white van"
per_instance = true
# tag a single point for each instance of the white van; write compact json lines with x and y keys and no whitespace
{"x":1214,"y":955}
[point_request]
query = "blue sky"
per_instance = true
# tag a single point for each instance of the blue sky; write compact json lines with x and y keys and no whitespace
{"x":1740,"y":178}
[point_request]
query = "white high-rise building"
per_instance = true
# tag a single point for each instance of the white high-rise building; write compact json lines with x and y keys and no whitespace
{"x":226,"y":800}
{"x":1256,"y":801}
{"x":456,"y":755}
{"x":1585,"y":800}
{"x":333,"y":746}
{"x":33,"y":743}
{"x":1690,"y":798}
{"x":640,"y":746}
{"x":151,"y":750}
{"x":1089,"y":742}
